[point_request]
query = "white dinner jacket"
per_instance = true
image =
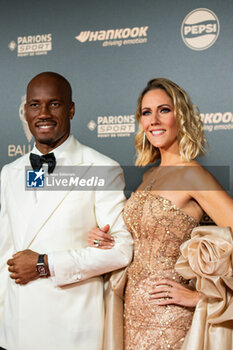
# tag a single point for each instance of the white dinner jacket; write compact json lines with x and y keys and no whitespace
{"x":65,"y":312}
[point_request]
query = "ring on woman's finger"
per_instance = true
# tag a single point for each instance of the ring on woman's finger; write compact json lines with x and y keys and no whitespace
{"x":167,"y":294}
{"x":96,"y":242}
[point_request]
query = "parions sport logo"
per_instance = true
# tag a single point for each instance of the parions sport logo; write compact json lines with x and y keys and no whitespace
{"x":32,"y":45}
{"x":200,"y":29}
{"x":115,"y":37}
{"x":113,"y":126}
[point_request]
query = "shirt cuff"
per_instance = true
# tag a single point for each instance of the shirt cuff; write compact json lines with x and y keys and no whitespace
{"x":51,"y":265}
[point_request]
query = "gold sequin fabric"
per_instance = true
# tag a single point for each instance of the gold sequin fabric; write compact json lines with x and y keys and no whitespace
{"x":158,"y":228}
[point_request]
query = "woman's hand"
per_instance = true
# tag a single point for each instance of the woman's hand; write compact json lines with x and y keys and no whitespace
{"x":99,"y":238}
{"x":173,"y":293}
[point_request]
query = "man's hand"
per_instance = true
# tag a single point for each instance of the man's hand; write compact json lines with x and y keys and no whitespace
{"x":99,"y":238}
{"x":23,"y":266}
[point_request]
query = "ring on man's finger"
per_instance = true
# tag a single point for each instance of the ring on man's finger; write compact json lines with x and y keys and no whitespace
{"x":96,"y":242}
{"x":167,"y":294}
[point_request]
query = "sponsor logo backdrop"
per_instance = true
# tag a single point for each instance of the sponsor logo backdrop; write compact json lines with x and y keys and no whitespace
{"x":108,"y":51}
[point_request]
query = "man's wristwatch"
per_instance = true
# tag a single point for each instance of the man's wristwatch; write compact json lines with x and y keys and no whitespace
{"x":41,"y":267}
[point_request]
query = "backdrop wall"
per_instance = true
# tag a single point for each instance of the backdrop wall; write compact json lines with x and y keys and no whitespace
{"x":108,"y":50}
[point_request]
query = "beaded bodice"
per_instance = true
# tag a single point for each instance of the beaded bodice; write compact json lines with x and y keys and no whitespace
{"x":159,"y":228}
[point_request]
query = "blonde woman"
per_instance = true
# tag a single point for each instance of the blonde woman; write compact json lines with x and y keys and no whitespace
{"x":161,"y":214}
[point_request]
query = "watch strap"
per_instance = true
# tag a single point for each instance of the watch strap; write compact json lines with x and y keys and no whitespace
{"x":41,"y":259}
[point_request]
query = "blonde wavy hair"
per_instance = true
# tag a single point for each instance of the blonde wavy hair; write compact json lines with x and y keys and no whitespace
{"x":191,"y":138}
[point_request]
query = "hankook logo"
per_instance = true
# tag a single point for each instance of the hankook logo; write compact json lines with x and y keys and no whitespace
{"x":200,"y":29}
{"x":115,"y":37}
{"x":216,"y":121}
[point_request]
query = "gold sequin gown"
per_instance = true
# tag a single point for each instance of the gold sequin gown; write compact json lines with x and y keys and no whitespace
{"x":158,"y":228}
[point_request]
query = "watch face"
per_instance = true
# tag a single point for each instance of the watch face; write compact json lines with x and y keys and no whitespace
{"x":42,"y":270}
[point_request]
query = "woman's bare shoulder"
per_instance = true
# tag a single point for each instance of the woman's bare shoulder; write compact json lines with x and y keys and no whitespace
{"x":199,"y":178}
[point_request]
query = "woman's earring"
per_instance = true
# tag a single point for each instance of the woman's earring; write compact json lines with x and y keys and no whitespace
{"x":144,"y":141}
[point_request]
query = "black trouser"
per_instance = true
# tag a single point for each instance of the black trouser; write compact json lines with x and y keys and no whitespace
{"x":2,"y":348}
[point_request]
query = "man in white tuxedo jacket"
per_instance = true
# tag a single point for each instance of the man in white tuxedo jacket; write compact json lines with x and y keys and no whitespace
{"x":51,"y":291}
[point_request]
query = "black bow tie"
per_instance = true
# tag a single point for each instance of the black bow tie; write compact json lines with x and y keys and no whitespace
{"x":37,"y":161}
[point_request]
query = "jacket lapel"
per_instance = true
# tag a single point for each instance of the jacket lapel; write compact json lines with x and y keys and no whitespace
{"x":49,"y":201}
{"x":21,"y":201}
